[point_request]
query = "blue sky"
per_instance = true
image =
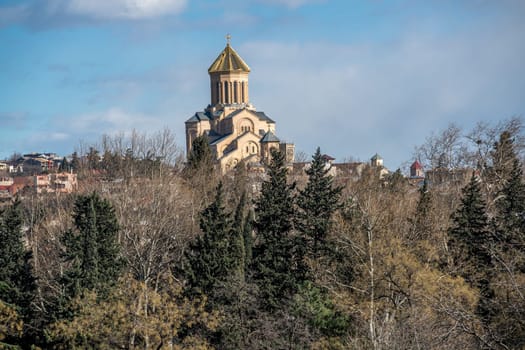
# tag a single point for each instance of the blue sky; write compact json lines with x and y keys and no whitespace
{"x":354,"y":77}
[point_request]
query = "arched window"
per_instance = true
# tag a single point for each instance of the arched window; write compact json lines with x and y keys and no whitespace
{"x":226,"y":92}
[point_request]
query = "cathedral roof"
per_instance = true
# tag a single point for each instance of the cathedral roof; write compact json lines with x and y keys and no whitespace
{"x":260,"y":115}
{"x":270,"y":137}
{"x":198,"y":117}
{"x":228,"y":61}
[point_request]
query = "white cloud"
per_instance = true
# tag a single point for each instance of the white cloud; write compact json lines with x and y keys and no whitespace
{"x":124,"y":9}
{"x":45,"y":13}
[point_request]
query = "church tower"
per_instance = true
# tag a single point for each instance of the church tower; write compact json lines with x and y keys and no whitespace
{"x":229,"y":78}
{"x":235,"y":130}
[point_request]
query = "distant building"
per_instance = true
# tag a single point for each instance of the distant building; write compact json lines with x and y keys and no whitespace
{"x":376,"y":160}
{"x":235,"y":129}
{"x":416,"y":170}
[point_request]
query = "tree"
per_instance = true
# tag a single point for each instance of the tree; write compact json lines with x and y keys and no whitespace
{"x":200,"y":156}
{"x":470,"y":242}
{"x":91,"y":250}
{"x":509,"y":260}
{"x":213,"y":256}
{"x":277,"y":261}
{"x":17,"y":283}
{"x":115,"y":322}
{"x":317,"y":203}
{"x":64,"y":165}
{"x":75,"y":162}
{"x":16,"y":277}
{"x":422,"y":222}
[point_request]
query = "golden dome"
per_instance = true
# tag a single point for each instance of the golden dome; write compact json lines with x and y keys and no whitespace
{"x":228,"y":61}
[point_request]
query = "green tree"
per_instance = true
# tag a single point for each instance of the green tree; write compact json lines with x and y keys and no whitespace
{"x":470,"y":241}
{"x":64,"y":165}
{"x":422,"y":220}
{"x":277,"y":260}
{"x":200,"y":156}
{"x":213,"y":256}
{"x":248,"y":239}
{"x":509,"y":259}
{"x":92,"y":250}
{"x":17,"y":283}
{"x":317,"y":203}
{"x":75,"y":162}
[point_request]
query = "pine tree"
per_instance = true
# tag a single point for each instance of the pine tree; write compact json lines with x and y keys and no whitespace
{"x":213,"y":257}
{"x":17,"y":283}
{"x":92,"y":248}
{"x":276,"y":262}
{"x":75,"y":162}
{"x":507,"y":323}
{"x":510,"y":206}
{"x":248,"y":239}
{"x":64,"y":165}
{"x":317,"y":203}
{"x":470,"y":242}
{"x":200,"y":157}
{"x":421,"y":223}
{"x":238,"y":252}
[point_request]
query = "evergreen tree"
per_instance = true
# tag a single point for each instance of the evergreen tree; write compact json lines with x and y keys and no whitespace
{"x":17,"y":283}
{"x":248,"y":239}
{"x":317,"y":203}
{"x":277,"y":261}
{"x":237,"y":240}
{"x":470,"y":242}
{"x":75,"y":162}
{"x":64,"y":165}
{"x":421,"y":223}
{"x":507,"y":323}
{"x":92,"y":248}
{"x":510,"y":206}
{"x":213,"y":256}
{"x":200,"y":157}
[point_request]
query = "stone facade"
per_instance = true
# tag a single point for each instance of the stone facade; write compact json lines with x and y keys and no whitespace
{"x":236,"y":130}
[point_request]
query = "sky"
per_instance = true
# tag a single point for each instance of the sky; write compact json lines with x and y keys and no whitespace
{"x":354,"y":77}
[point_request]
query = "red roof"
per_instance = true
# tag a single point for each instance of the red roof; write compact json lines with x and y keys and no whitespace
{"x":416,"y":165}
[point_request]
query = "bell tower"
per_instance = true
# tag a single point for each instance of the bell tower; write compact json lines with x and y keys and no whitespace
{"x":229,"y":78}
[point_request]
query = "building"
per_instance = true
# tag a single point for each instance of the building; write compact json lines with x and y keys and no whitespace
{"x":416,"y":170}
{"x":235,"y":129}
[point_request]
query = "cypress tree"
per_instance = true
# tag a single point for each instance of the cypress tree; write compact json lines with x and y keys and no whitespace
{"x":470,"y":242}
{"x":421,"y":224}
{"x":75,"y":162}
{"x":248,"y":239}
{"x":92,"y":248}
{"x":17,"y":283}
{"x":277,"y":263}
{"x":317,"y":203}
{"x":213,"y":256}
{"x":200,"y":157}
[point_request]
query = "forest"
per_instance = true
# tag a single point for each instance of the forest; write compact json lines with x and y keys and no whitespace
{"x":155,"y":251}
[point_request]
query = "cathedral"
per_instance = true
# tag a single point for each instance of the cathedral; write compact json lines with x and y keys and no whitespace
{"x":235,"y":129}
